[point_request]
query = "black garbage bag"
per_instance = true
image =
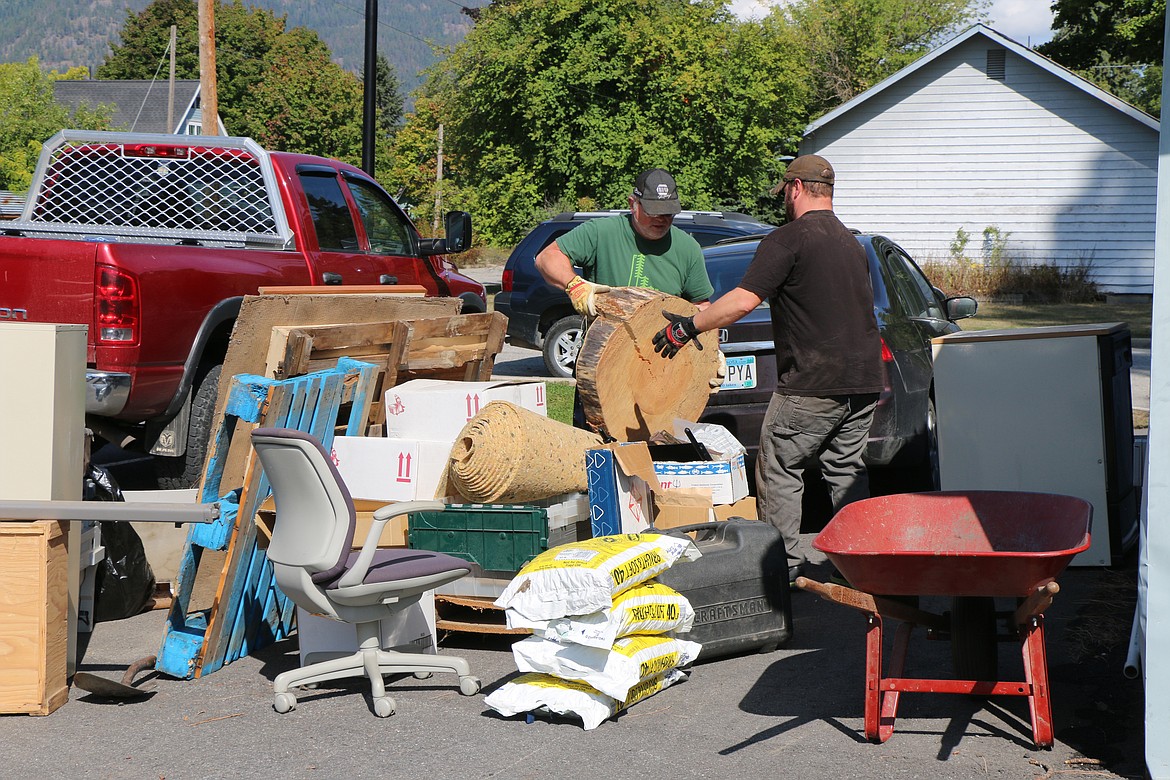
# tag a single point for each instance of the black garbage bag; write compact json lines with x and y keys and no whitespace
{"x":125,"y":582}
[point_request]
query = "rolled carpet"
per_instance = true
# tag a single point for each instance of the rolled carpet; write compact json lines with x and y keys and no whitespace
{"x":509,"y":454}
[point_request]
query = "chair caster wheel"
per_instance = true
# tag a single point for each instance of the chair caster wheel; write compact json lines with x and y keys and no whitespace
{"x":423,"y":675}
{"x":284,"y":702}
{"x":384,"y":707}
{"x":469,"y":686}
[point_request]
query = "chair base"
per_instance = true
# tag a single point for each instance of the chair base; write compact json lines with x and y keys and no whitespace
{"x":374,"y":663}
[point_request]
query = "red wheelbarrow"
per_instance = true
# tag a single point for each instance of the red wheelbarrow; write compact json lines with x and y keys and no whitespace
{"x":971,"y":546}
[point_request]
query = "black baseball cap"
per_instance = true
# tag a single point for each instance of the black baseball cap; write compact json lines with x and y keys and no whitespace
{"x":657,"y":192}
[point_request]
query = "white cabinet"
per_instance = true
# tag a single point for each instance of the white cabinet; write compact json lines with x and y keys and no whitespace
{"x":1045,"y":410}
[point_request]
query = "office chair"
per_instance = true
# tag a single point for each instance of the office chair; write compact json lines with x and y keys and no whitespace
{"x":315,"y":566}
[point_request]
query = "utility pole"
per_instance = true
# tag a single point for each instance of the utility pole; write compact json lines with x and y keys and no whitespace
{"x":439,"y":181}
{"x":208,"y":89}
{"x":171,"y":94}
{"x":370,"y":87}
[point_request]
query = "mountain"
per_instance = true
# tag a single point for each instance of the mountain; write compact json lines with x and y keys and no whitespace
{"x":66,"y":33}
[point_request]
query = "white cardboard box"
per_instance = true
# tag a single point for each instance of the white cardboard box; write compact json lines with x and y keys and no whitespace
{"x":411,"y":630}
{"x":390,"y":469}
{"x":726,"y":478}
{"x":437,"y":409}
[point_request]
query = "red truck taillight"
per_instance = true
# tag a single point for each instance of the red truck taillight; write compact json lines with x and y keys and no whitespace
{"x":506,"y":282}
{"x":117,"y":307}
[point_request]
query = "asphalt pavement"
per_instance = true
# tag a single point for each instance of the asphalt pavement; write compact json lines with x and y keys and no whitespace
{"x":795,"y":712}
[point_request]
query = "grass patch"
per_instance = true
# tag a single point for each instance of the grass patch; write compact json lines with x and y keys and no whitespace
{"x":482,"y":257}
{"x":560,"y":401}
{"x":996,"y":316}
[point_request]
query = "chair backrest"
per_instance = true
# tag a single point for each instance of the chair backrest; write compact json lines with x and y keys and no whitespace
{"x":314,"y":512}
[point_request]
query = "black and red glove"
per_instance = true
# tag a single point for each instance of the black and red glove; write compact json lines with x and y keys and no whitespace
{"x":669,"y":340}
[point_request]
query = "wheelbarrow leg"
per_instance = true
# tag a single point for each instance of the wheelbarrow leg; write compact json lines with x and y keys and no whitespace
{"x":881,"y":700}
{"x":897,"y":666}
{"x":1036,"y":674}
{"x":1029,"y":621}
{"x":873,"y":679}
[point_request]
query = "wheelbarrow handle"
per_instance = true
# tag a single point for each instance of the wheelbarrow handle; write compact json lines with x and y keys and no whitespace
{"x":1036,"y":604}
{"x":874,"y":605}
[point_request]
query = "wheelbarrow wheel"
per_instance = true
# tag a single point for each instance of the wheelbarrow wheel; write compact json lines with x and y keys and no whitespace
{"x":974,"y":644}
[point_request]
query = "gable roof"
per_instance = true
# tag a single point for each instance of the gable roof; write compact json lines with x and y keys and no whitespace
{"x":1019,"y":49}
{"x":139,"y":105}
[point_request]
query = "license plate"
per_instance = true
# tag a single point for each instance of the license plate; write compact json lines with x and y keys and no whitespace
{"x":741,"y":373}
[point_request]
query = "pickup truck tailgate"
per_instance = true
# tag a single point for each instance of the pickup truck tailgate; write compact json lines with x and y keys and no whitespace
{"x":47,"y":280}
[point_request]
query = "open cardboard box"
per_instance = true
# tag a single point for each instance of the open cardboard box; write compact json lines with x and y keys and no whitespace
{"x":691,"y":506}
{"x":393,"y":535}
{"x":627,"y":496}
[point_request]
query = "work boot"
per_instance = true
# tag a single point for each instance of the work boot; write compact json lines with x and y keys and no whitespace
{"x":794,"y":571}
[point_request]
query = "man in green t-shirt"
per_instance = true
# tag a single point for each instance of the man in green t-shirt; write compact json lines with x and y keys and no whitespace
{"x":639,"y":249}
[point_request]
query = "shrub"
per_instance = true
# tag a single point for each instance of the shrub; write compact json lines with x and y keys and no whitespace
{"x":997,"y":275}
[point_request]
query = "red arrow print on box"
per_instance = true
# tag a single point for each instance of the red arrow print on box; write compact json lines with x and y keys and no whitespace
{"x":404,"y":467}
{"x":472,"y":405}
{"x":540,"y":395}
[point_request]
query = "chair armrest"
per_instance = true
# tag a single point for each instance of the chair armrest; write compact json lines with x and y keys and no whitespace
{"x":357,"y":574}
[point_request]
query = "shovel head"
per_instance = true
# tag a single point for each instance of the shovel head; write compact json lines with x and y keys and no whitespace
{"x":116,"y":690}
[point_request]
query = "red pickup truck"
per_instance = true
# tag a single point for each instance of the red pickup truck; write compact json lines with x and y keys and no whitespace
{"x":153,"y":240}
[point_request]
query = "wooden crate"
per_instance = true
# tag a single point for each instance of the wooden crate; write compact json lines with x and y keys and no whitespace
{"x":34,"y":633}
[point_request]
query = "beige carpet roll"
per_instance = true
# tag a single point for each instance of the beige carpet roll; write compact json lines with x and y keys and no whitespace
{"x":509,"y":454}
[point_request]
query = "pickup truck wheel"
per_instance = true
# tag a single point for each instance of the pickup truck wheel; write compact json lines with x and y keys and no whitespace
{"x":186,"y":471}
{"x":561,"y":345}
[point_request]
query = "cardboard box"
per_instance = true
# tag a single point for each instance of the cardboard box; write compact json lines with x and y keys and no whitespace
{"x":393,"y":534}
{"x":437,"y":409}
{"x":690,"y":506}
{"x":391,"y":469}
{"x":411,"y":630}
{"x":675,"y":508}
{"x":34,"y":621}
{"x":726,"y":478}
{"x":621,"y":486}
{"x":745,"y":508}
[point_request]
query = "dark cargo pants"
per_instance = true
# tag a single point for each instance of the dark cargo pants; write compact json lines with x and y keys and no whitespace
{"x":803,"y":431}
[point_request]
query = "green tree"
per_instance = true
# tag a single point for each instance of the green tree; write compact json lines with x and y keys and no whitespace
{"x":388,"y":97}
{"x":254,"y":53}
{"x":852,"y":45}
{"x":1117,"y":44}
{"x":29,"y":115}
{"x":408,"y":166}
{"x":305,"y":103}
{"x":565,"y":101}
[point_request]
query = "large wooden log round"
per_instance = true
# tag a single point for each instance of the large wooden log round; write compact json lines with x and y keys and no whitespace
{"x":627,"y":390}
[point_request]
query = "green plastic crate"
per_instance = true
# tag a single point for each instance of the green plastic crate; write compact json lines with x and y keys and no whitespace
{"x":497,"y":538}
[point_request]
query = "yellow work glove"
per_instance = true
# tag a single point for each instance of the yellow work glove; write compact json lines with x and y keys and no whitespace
{"x":720,"y":374}
{"x":583,"y":295}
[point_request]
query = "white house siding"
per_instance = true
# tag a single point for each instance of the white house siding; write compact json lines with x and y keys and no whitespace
{"x":1069,"y":177}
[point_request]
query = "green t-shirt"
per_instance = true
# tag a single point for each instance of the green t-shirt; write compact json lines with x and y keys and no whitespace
{"x":609,"y":252}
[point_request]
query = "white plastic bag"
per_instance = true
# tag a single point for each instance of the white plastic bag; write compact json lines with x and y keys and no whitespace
{"x":544,"y":693}
{"x":632,"y":660}
{"x":649,"y":608}
{"x":583,"y":577}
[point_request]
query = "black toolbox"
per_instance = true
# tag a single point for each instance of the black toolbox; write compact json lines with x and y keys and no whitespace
{"x":738,"y":588}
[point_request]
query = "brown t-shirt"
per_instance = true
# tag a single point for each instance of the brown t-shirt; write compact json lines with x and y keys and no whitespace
{"x":815,"y":276}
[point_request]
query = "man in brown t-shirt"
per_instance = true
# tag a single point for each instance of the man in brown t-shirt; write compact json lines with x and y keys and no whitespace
{"x":815,"y":276}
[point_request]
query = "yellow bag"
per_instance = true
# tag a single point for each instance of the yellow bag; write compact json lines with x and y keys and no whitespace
{"x":583,"y":577}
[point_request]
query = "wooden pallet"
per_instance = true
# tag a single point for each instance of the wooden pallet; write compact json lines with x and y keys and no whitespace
{"x":460,"y":347}
{"x":471,"y":615}
{"x":248,"y":610}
